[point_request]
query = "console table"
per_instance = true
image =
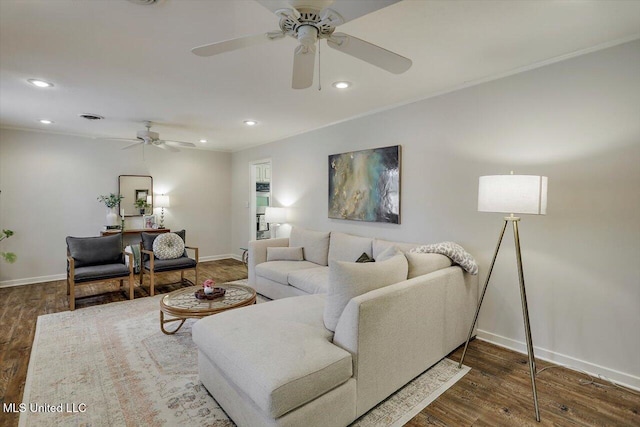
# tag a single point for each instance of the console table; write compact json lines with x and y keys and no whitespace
{"x":129,"y":232}
{"x":129,"y":235}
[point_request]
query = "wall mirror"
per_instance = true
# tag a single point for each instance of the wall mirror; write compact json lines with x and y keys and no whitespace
{"x":138,"y":194}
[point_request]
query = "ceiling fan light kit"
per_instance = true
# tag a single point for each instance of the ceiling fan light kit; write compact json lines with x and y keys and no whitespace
{"x":308,"y":25}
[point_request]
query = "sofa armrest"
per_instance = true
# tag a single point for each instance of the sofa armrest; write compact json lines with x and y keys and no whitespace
{"x":195,"y":250}
{"x":258,"y":254}
{"x":397,"y":332}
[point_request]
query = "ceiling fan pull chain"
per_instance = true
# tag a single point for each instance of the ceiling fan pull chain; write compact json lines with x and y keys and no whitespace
{"x":319,"y":76}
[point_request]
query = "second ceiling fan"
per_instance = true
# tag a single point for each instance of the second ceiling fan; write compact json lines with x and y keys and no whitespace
{"x":309,"y":21}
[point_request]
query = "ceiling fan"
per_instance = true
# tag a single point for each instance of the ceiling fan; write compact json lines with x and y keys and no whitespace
{"x":148,"y":137}
{"x":308,"y":21}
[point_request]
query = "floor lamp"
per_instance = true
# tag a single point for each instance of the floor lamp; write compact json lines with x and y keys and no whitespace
{"x":512,"y":194}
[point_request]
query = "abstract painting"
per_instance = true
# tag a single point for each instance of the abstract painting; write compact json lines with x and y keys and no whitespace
{"x":365,"y":185}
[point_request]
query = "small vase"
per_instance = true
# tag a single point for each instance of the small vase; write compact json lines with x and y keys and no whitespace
{"x":208,"y":291}
{"x":112,"y":217}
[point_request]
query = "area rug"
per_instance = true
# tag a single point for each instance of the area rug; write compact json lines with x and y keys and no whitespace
{"x":110,"y":365}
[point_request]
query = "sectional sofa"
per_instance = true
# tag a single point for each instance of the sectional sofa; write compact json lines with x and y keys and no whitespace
{"x":340,"y":336}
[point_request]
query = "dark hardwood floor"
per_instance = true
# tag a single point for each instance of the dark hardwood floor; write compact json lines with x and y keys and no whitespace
{"x":496,"y":392}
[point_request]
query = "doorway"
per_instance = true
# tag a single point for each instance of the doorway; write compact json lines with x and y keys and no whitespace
{"x":260,"y":198}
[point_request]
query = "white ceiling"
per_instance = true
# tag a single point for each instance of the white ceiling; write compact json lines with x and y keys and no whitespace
{"x":131,"y":63}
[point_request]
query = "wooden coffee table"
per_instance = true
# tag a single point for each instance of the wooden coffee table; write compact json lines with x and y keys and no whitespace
{"x":182,"y":304}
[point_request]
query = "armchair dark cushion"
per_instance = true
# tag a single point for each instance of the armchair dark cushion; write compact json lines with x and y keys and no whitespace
{"x":91,"y":251}
{"x":100,"y":272}
{"x":147,"y":243}
{"x":170,"y":264}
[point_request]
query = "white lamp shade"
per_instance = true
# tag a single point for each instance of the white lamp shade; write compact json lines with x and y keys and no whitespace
{"x":162,"y":201}
{"x":521,"y":194}
{"x":275,"y":215}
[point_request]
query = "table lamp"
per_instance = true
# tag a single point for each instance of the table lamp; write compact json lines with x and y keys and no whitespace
{"x":162,"y":201}
{"x":512,"y":194}
{"x":275,"y":216}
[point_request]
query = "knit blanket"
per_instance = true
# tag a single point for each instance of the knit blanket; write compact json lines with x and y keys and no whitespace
{"x":454,"y":251}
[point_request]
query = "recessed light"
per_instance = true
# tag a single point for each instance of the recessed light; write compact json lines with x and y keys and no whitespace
{"x":204,"y":141}
{"x":341,"y":85}
{"x":250,"y":122}
{"x":40,"y":83}
{"x":46,"y":121}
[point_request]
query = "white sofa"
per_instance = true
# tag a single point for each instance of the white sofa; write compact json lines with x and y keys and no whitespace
{"x":278,"y":364}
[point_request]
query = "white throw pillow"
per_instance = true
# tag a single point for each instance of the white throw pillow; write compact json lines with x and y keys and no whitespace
{"x":420,"y":264}
{"x":349,"y":279}
{"x":168,"y":246}
{"x":391,"y":251}
{"x":284,"y":254}
{"x":314,"y":243}
{"x":345,"y":247}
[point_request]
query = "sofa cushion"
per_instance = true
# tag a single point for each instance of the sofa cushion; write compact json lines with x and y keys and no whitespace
{"x":278,"y":353}
{"x":380,"y":245}
{"x":349,"y":279}
{"x":95,"y":250}
{"x":276,"y":253}
{"x":278,"y":271}
{"x":420,"y":264}
{"x":346,"y":247}
{"x":315,"y":244}
{"x":311,"y":280}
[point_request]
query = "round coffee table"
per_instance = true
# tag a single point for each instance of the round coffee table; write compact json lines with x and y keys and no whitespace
{"x":182,"y":304}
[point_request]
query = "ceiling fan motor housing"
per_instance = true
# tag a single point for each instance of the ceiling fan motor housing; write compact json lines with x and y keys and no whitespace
{"x":302,"y":27}
{"x":147,"y":135}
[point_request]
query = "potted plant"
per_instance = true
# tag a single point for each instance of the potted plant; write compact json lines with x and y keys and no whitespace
{"x":142,"y":205}
{"x":9,"y":257}
{"x":111,"y":201}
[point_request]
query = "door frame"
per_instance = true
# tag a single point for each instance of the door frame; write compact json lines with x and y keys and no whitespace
{"x":252,"y":200}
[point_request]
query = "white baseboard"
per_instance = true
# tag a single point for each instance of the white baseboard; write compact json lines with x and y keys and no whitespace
{"x":32,"y":280}
{"x":55,"y":277}
{"x":622,"y":378}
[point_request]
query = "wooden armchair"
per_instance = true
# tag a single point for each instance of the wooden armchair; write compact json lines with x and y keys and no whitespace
{"x":152,"y":265}
{"x":96,"y":259}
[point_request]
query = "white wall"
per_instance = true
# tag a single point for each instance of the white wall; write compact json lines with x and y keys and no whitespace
{"x":50,"y":183}
{"x":577,"y":122}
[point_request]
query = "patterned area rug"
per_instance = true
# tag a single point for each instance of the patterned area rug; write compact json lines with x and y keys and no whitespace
{"x":110,"y":365}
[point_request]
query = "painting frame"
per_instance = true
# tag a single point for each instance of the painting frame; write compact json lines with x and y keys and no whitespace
{"x":365,"y":185}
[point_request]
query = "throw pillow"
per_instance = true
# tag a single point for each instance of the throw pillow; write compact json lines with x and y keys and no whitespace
{"x":168,"y":246}
{"x":420,"y":264}
{"x":349,"y":279}
{"x":365,"y":258}
{"x":314,"y":243}
{"x":346,"y":247}
{"x":284,"y":254}
{"x":391,"y":251}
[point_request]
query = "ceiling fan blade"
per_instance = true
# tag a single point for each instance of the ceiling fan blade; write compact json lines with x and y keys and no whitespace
{"x":351,"y":10}
{"x":106,"y":138}
{"x":132,"y":145}
{"x":374,"y":55}
{"x":180,"y":143}
{"x":233,"y":44}
{"x":161,"y":144}
{"x":304,"y":60}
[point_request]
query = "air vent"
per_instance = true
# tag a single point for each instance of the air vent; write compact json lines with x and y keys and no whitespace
{"x":90,"y":116}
